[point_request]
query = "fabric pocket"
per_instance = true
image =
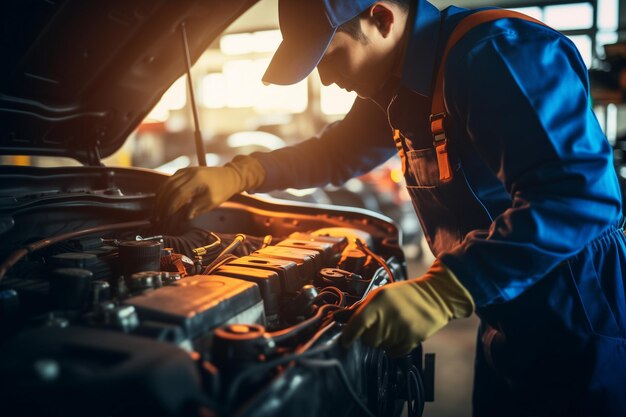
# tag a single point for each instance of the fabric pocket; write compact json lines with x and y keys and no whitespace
{"x":423,"y":168}
{"x":447,"y":211}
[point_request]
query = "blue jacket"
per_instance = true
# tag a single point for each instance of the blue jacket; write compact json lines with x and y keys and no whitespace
{"x":530,"y":224}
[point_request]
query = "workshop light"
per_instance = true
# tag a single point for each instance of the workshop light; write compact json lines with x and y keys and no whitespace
{"x":175,"y":97}
{"x":263,"y":139}
{"x":608,"y":17}
{"x":264,"y":41}
{"x":278,"y":98}
{"x":159,"y":114}
{"x":236,"y":44}
{"x":282,"y":99}
{"x":241,"y":83}
{"x":239,"y":86}
{"x":569,"y":16}
{"x":611,"y":123}
{"x":213,"y":91}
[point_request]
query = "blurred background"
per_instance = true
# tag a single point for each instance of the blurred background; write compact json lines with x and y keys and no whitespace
{"x":239,"y":115}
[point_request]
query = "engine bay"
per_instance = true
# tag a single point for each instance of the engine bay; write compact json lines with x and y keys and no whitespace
{"x":236,"y":313}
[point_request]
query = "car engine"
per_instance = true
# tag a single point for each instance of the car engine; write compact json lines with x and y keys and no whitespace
{"x":236,"y":313}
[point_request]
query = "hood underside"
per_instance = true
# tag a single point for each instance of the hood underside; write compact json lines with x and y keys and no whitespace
{"x":78,"y":76}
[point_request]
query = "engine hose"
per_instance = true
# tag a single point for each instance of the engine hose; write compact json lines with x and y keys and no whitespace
{"x":283,"y":335}
{"x":377,"y":258}
{"x":251,"y":243}
{"x":336,"y":292}
{"x":19,"y":254}
{"x":272,"y":364}
{"x":189,"y":241}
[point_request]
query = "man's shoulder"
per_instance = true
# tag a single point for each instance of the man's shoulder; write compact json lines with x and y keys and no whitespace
{"x":507,"y":27}
{"x":510,"y":32}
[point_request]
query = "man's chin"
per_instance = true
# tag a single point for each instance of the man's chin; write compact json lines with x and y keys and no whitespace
{"x":363,"y":94}
{"x":376,"y":90}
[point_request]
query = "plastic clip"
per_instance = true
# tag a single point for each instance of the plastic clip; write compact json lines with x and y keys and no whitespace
{"x":440,"y":141}
{"x":397,"y":139}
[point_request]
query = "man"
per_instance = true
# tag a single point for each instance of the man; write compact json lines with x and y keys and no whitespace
{"x":523,"y":214}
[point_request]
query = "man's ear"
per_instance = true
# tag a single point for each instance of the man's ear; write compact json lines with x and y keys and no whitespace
{"x":383,"y":17}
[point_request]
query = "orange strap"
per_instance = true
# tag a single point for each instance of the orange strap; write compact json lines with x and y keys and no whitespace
{"x":397,"y":139}
{"x":438,"y":108}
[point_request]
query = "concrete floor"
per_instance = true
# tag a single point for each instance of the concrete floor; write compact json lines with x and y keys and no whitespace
{"x":454,"y":364}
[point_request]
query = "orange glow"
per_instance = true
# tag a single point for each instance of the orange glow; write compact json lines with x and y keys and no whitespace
{"x":239,"y":328}
{"x":20,"y":160}
{"x":396,"y":175}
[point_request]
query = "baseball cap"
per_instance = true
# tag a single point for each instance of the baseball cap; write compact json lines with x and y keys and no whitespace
{"x":307,"y":27}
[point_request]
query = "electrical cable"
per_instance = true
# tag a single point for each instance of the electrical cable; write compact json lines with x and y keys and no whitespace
{"x":203,"y":250}
{"x":225,"y":255}
{"x":251,"y":244}
{"x":377,"y":258}
{"x":281,"y":336}
{"x":267,"y":240}
{"x":19,"y":254}
{"x":334,"y":363}
{"x":234,"y":386}
{"x":315,"y":338}
{"x":239,"y":238}
{"x":218,"y":262}
{"x":301,"y":356}
{"x":331,"y":290}
{"x":194,"y":238}
{"x":373,"y":281}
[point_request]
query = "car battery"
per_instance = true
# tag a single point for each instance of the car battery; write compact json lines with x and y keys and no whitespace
{"x":290,"y":278}
{"x":338,"y":242}
{"x":308,"y":261}
{"x":200,"y":303}
{"x":267,"y":280}
{"x":325,"y":249}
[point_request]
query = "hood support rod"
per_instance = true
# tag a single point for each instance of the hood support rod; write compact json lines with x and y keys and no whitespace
{"x":197,"y":132}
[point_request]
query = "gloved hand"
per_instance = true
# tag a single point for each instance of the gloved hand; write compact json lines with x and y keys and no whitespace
{"x":397,"y":316}
{"x":204,"y":188}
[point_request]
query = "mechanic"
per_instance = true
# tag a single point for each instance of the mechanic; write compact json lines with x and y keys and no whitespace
{"x":522,"y":207}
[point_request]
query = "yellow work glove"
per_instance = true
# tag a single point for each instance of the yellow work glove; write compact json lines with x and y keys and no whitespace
{"x":397,"y":316}
{"x":202,"y":189}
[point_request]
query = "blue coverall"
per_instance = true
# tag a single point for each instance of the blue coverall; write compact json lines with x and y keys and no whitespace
{"x":530,"y":223}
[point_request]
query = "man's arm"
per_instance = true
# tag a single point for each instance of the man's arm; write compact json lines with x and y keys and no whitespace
{"x":345,"y":149}
{"x":522,"y":96}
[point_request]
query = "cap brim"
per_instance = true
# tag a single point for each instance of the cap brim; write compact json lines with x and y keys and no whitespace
{"x":298,"y":56}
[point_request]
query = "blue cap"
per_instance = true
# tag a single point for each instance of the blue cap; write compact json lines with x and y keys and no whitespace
{"x":307,"y":27}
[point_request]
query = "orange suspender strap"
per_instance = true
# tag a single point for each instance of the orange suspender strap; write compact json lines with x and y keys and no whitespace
{"x":438,"y":108}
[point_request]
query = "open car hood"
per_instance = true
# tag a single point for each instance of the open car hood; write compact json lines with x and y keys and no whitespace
{"x":79,"y":75}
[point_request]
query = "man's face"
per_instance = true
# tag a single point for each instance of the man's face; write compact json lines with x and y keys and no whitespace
{"x":355,"y":65}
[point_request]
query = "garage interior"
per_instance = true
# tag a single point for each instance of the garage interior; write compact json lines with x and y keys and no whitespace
{"x":239,"y":115}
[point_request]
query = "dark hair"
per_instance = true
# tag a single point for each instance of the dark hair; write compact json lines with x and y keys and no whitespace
{"x":353,"y":26}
